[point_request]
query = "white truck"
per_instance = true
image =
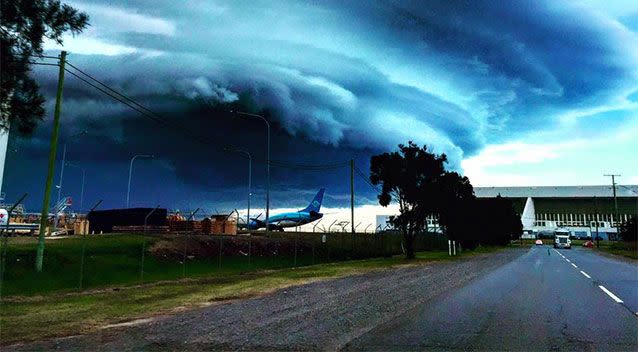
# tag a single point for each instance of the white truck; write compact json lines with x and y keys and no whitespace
{"x":561,"y":240}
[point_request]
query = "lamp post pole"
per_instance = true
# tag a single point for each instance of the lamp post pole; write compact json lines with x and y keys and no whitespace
{"x":130,"y":172}
{"x":250,"y":168}
{"x":62,"y":173}
{"x":81,"y":189}
{"x":267,"y":161}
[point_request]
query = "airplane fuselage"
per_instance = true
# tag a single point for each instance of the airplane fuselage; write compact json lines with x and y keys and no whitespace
{"x":291,"y":219}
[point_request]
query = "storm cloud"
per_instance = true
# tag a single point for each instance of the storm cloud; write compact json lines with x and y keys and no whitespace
{"x":337,"y":80}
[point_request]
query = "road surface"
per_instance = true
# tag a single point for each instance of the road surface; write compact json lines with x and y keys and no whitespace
{"x":548,"y":299}
{"x":521,"y":299}
{"x":323,"y":315}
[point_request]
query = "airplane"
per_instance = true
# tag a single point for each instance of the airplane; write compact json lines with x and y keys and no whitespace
{"x":280,"y":221}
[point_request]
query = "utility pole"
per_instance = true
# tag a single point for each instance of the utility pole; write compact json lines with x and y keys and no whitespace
{"x":596,"y":209}
{"x":44,"y":216}
{"x":352,"y":194}
{"x":613,"y":186}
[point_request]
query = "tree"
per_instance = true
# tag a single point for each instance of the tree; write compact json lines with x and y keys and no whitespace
{"x":498,"y":222}
{"x":408,"y":176}
{"x":629,"y":230}
{"x":474,"y":221}
{"x":24,"y":24}
{"x":456,"y":209}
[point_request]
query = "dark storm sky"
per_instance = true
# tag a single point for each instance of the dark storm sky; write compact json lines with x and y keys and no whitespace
{"x":478,"y":80}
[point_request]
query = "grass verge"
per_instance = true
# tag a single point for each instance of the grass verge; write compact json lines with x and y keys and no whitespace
{"x":624,"y":249}
{"x":92,"y":262}
{"x":29,"y":318}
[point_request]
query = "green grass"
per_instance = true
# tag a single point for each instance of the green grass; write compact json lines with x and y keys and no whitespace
{"x":625,"y":249}
{"x":114,"y":260}
{"x":26,"y":318}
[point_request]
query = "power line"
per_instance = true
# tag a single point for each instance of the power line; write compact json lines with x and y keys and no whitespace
{"x":152,"y":115}
{"x":32,"y":63}
{"x":114,"y":97}
{"x":365,"y":178}
{"x":42,"y":63}
{"x":158,"y":118}
{"x":44,"y":56}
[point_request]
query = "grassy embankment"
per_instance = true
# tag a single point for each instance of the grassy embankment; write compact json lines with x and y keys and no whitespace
{"x":625,"y":249}
{"x":32,"y":317}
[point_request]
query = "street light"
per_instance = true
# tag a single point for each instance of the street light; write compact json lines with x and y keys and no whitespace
{"x":82,"y":189}
{"x":59,"y":186}
{"x":130,"y":171}
{"x":267,"y":161}
{"x":250,"y":161}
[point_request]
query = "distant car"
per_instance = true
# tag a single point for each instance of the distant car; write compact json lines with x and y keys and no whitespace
{"x":588,"y":244}
{"x":539,"y":242}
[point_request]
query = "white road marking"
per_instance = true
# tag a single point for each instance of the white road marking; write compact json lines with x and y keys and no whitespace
{"x":569,"y":261}
{"x":574,"y":265}
{"x":613,"y":296}
{"x":584,"y":273}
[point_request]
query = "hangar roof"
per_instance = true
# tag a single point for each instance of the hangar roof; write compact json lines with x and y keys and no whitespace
{"x":557,"y":191}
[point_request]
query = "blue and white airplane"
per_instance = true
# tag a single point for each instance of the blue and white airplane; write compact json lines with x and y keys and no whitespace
{"x":280,"y":221}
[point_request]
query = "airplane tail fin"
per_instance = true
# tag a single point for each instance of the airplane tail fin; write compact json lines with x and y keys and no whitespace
{"x":315,"y":205}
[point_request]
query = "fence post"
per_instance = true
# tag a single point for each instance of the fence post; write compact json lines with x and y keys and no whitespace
{"x":82,"y":259}
{"x":221,"y":243}
{"x":184,"y":256}
{"x":296,"y":237}
{"x":186,"y":238}
{"x":144,"y":243}
{"x":315,"y":225}
{"x":84,"y":245}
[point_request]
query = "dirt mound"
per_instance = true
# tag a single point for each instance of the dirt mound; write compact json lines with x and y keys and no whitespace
{"x":200,"y":247}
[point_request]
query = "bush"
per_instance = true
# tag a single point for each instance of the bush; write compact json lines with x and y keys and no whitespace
{"x":629,"y":230}
{"x":483,"y":221}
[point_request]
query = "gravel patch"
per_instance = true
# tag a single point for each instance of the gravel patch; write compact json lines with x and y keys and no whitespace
{"x":323,"y":315}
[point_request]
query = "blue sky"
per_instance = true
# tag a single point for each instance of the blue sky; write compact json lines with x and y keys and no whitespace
{"x":515,"y":93}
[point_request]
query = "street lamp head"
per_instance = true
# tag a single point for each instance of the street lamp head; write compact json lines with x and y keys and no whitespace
{"x":143,"y":156}
{"x":83,"y":132}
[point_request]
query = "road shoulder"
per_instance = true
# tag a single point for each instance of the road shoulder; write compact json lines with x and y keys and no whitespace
{"x":325,"y":314}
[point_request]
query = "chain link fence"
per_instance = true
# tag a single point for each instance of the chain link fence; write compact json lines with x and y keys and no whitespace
{"x":89,"y":262}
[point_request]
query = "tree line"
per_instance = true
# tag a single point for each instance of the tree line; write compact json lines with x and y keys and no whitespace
{"x":418,"y":181}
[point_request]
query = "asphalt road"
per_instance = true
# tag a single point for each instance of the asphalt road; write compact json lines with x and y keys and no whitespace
{"x":544,"y":300}
{"x":323,"y":315}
